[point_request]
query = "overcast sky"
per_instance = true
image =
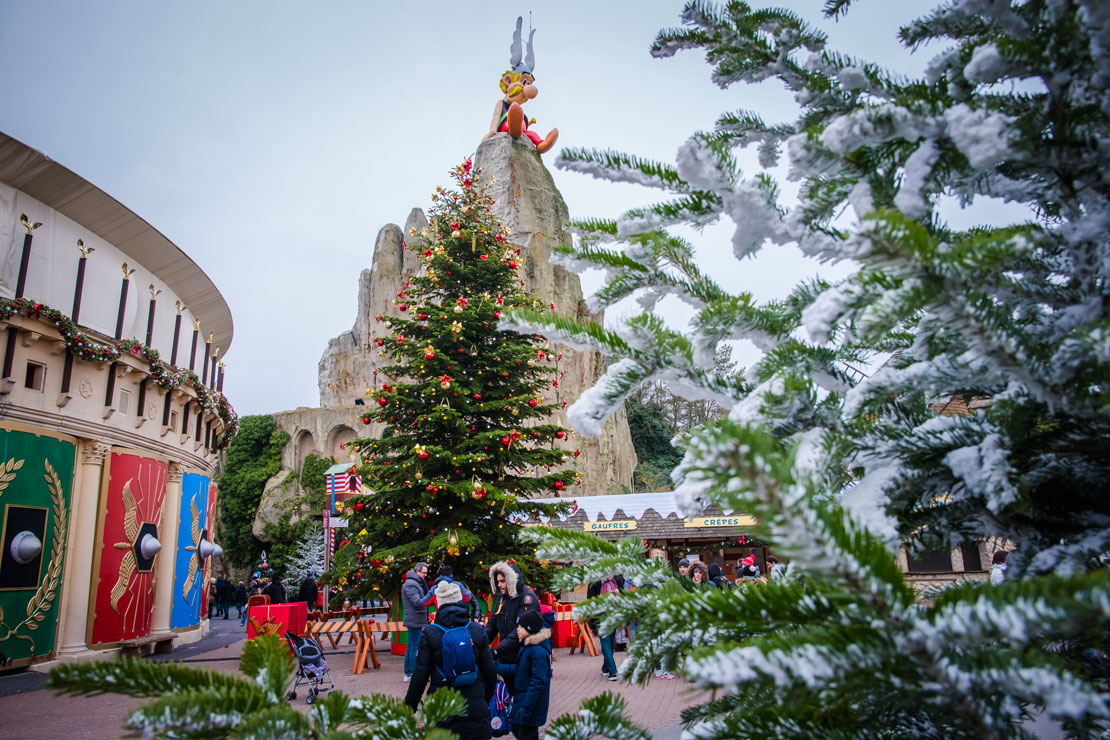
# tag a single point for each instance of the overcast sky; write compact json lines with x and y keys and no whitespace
{"x":271,"y":140}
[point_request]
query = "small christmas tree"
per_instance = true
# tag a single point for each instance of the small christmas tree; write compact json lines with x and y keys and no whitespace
{"x":467,"y":440}
{"x":307,"y":558}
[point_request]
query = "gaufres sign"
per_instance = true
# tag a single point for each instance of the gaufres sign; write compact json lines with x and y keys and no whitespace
{"x":613,"y":526}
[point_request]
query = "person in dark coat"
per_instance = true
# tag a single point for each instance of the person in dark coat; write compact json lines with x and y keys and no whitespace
{"x":511,"y":599}
{"x":453,"y":612}
{"x":276,"y":591}
{"x":533,"y":678}
{"x":227,"y":595}
{"x":309,"y":592}
{"x":717,"y":577}
{"x":241,"y":599}
{"x":413,"y":592}
{"x":447,"y":574}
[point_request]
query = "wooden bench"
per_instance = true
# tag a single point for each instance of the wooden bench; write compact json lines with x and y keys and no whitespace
{"x":135,"y":647}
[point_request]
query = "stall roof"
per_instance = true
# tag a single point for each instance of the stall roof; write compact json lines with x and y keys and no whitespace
{"x":632,"y":504}
{"x":337,"y":469}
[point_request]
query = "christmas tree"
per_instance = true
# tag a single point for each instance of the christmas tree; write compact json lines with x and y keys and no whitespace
{"x":842,"y":439}
{"x":307,"y":558}
{"x":467,"y":440}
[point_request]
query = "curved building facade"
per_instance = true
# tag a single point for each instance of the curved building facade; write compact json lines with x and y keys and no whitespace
{"x":111,"y":418}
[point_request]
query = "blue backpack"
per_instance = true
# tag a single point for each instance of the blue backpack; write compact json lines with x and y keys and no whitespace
{"x":459,"y":666}
{"x":499,"y":708}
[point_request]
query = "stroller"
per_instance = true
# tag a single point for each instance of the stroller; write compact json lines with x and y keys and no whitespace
{"x":312,"y":669}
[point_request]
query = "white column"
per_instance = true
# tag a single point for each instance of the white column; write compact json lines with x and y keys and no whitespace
{"x":167,"y":557}
{"x":73,"y":612}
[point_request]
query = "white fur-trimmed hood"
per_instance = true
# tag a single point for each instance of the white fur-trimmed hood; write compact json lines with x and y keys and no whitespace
{"x":512,"y":580}
{"x":536,"y":639}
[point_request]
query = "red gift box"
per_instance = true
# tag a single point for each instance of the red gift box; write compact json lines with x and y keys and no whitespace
{"x":291,"y":617}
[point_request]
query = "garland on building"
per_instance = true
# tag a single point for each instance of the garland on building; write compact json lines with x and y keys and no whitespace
{"x":83,"y":347}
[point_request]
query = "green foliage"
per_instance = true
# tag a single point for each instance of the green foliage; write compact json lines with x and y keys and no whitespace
{"x":832,"y":440}
{"x":470,"y":436}
{"x":312,"y":477}
{"x":651,"y":437}
{"x":253,"y":457}
{"x":193,"y":703}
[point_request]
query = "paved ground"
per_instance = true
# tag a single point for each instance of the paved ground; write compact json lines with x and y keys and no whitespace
{"x":577,"y":677}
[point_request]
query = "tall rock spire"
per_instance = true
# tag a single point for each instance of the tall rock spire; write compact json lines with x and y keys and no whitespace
{"x":530,"y":206}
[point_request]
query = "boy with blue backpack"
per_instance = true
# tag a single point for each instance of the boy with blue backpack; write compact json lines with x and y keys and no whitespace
{"x":454,"y":652}
{"x":533,"y":677}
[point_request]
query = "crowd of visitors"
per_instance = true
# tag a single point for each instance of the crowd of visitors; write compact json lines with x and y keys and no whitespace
{"x":512,"y":649}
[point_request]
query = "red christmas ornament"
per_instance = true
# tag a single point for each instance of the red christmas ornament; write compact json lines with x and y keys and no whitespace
{"x":381,"y":342}
{"x":500,"y":238}
{"x":429,"y":355}
{"x":401,"y":339}
{"x":532,"y":402}
{"x":427,"y":253}
{"x":462,"y":302}
{"x":560,"y":434}
{"x":577,"y":453}
{"x":423,"y":317}
{"x":400,"y":294}
{"x":496,"y":314}
{"x":402,"y":307}
{"x":477,"y":396}
{"x":558,"y":485}
{"x":382,"y":401}
{"x":366,"y":420}
{"x":387,"y":387}
{"x":358,"y":506}
{"x":512,"y":264}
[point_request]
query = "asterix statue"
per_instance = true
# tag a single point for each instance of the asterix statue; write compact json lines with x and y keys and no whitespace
{"x":517,"y":85}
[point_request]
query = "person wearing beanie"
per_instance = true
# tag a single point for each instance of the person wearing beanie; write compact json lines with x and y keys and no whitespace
{"x":532,"y":693}
{"x":413,"y":592}
{"x":446,"y":576}
{"x":453,"y":612}
{"x":684,"y":567}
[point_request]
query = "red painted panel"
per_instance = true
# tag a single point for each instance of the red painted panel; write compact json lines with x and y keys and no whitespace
{"x":131,"y":509}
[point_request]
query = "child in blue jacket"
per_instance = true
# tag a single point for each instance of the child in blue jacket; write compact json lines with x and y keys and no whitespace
{"x":533,"y":677}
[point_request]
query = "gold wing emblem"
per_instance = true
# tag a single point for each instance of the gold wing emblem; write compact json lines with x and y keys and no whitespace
{"x":192,"y":548}
{"x":131,"y":513}
{"x":126,"y":570}
{"x":196,"y":520}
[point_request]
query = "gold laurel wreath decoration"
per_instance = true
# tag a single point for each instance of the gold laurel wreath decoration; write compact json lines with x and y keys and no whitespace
{"x":7,"y":472}
{"x":43,"y":599}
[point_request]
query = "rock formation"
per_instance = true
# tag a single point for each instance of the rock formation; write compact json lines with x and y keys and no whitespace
{"x":529,"y":204}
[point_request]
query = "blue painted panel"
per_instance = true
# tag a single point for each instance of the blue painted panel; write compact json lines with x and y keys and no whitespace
{"x":189,"y":569}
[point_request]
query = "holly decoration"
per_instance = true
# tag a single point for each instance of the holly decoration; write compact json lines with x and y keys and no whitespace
{"x":468,"y":438}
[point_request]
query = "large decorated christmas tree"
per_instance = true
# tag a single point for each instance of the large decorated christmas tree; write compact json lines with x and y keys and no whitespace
{"x":468,"y":438}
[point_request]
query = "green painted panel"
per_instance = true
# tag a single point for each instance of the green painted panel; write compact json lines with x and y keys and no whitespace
{"x":36,"y":485}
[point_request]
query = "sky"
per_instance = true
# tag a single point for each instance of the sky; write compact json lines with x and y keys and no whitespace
{"x":272,"y":139}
